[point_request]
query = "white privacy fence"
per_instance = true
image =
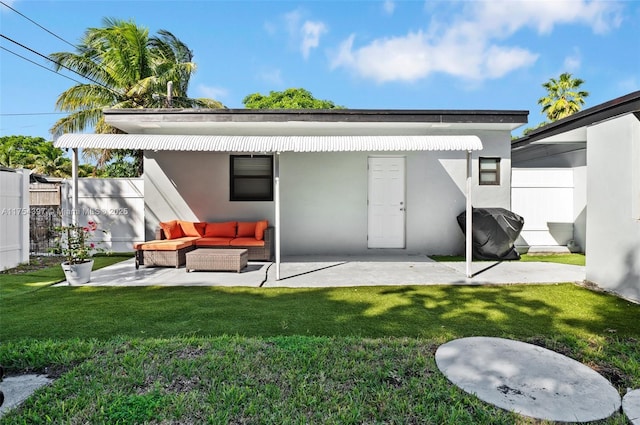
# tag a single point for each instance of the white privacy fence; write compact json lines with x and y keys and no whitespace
{"x":552,"y":203}
{"x":116,"y":205}
{"x":14,"y":217}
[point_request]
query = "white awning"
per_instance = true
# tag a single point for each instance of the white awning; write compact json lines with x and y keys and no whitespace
{"x":228,"y":143}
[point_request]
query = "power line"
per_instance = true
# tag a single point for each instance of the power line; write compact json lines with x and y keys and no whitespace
{"x":40,"y":65}
{"x":37,"y":24}
{"x":103,"y":66}
{"x":63,"y":66}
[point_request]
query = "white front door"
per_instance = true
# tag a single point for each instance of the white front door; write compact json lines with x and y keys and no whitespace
{"x":387,"y":202}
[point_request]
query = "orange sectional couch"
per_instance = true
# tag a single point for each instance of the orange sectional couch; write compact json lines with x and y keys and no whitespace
{"x":177,"y":237}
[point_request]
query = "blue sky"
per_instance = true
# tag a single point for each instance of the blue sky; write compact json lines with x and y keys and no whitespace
{"x":359,"y":54}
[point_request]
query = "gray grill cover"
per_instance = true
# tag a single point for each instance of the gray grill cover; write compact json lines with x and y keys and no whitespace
{"x":495,"y":230}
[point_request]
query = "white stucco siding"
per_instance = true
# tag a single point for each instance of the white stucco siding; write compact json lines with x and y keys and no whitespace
{"x":324,"y":203}
{"x":613,"y":229}
{"x":495,"y":144}
{"x":193,"y":186}
{"x":324,"y":196}
{"x":580,"y":207}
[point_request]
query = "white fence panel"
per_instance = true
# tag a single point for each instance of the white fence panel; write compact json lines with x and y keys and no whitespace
{"x":117,"y":205}
{"x":544,"y":197}
{"x":14,"y":218}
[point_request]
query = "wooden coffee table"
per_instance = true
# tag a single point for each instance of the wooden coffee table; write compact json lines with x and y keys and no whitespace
{"x":216,"y":259}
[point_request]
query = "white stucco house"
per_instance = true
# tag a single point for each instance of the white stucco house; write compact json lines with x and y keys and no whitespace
{"x":596,"y":153}
{"x":340,"y":182}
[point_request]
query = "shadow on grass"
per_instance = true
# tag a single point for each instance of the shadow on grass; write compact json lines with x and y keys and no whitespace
{"x":518,"y":311}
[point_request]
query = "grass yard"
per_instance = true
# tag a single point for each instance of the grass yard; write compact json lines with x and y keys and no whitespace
{"x":278,"y":355}
{"x":573,"y":259}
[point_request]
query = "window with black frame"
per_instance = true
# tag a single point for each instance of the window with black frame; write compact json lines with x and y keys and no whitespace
{"x":251,"y":178}
{"x":489,"y":171}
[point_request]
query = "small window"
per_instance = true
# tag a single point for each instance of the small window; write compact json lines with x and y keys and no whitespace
{"x":251,"y":178}
{"x":489,"y":171}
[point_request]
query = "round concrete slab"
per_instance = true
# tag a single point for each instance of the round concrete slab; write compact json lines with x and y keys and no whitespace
{"x":17,"y":389}
{"x":528,"y":379}
{"x":631,"y":406}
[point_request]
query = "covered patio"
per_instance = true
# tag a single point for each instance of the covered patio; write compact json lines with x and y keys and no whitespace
{"x":342,"y":271}
{"x":323,"y":174}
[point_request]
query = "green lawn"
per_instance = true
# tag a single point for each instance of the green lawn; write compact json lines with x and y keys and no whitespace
{"x":277,"y":355}
{"x":573,"y":259}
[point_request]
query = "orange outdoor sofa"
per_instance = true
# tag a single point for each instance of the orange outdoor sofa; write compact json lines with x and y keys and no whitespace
{"x":177,"y":237}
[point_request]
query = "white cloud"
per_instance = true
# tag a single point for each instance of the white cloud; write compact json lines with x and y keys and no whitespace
{"x":504,"y":17}
{"x":499,"y":61}
{"x":292,"y":21}
{"x":389,"y":6}
{"x":473,"y":45}
{"x":211,"y":92}
{"x":270,"y":27}
{"x":572,"y":63}
{"x":415,"y":56}
{"x":311,"y":32}
{"x":303,"y":33}
{"x":271,"y":76}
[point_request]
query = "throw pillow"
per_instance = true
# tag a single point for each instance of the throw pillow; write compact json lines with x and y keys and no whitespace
{"x":190,"y":228}
{"x":226,"y":229}
{"x":171,"y":229}
{"x":261,"y":226}
{"x":246,"y":229}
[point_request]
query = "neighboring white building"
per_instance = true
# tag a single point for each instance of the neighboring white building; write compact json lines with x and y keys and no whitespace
{"x":349,"y":181}
{"x":14,"y":217}
{"x":599,"y":149}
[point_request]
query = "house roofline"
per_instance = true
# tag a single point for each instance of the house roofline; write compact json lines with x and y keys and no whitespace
{"x":327,"y":115}
{"x":629,"y":103}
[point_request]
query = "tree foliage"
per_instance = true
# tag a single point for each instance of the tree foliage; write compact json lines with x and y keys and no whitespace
{"x":563,"y":98}
{"x":293,"y":98}
{"x":126,"y":68}
{"x":34,"y":153}
{"x":41,"y":156}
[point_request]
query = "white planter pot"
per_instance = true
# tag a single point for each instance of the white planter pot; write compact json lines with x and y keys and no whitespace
{"x":77,"y":274}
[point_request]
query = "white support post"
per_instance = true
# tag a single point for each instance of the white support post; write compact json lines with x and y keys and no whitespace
{"x":469,"y":221}
{"x":74,"y":194}
{"x":277,"y":211}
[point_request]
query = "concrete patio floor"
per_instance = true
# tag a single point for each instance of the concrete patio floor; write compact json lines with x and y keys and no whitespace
{"x":320,"y":271}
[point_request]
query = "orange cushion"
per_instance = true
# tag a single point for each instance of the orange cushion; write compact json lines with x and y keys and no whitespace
{"x":166,"y":245}
{"x":190,"y":228}
{"x":213,"y":241}
{"x":171,"y":229}
{"x":251,"y":241}
{"x":220,"y":230}
{"x":261,"y":226}
{"x":246,"y":229}
{"x":140,"y":245}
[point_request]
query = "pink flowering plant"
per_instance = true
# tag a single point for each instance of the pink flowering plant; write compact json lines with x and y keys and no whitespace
{"x":76,"y":243}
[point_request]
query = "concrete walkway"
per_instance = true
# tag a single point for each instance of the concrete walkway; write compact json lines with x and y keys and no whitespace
{"x":528,"y":379}
{"x":300,"y":272}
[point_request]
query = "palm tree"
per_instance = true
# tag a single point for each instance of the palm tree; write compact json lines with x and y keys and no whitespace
{"x":563,"y":97}
{"x":127,"y":69}
{"x":51,"y":161}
